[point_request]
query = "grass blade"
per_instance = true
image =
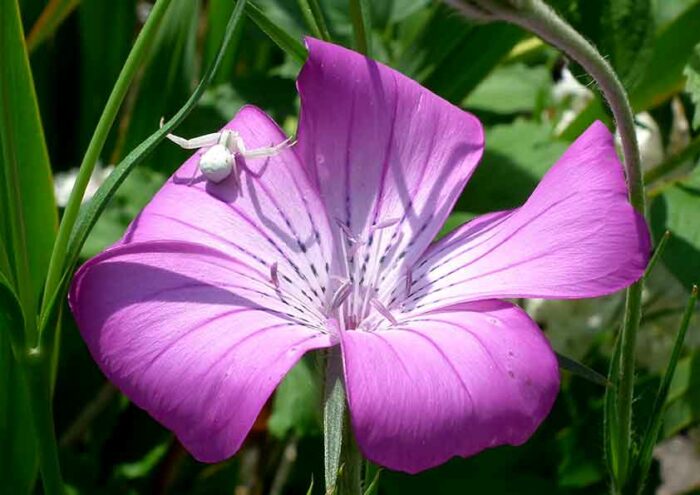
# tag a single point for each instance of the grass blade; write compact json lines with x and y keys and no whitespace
{"x":374,"y":485}
{"x":313,"y":15}
{"x":611,"y":428}
{"x":70,"y":214}
{"x":50,"y":19}
{"x":279,"y":36}
{"x":361,"y":25}
{"x":657,"y":253}
{"x":643,"y":461}
{"x":90,"y":213}
{"x":579,"y":369}
{"x":27,"y":187}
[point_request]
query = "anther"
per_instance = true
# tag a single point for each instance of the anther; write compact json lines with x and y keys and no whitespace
{"x":384,"y":224}
{"x":409,"y":281}
{"x":273,"y":275}
{"x":383,"y":310}
{"x":346,"y":230}
{"x":340,"y":295}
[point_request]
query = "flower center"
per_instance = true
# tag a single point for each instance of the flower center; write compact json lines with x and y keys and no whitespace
{"x":358,"y":301}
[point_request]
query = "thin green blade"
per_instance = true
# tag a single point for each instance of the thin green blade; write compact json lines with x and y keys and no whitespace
{"x":641,"y":467}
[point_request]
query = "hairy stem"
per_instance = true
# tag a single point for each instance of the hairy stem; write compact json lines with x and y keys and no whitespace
{"x":342,"y":460}
{"x":539,"y":18}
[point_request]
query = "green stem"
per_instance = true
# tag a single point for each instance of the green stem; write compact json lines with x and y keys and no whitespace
{"x":109,"y":114}
{"x":350,"y":480}
{"x":342,"y":459}
{"x":279,"y":36}
{"x":541,"y":19}
{"x":359,"y":13}
{"x":36,"y":370}
{"x":333,"y":417}
{"x":313,"y":15}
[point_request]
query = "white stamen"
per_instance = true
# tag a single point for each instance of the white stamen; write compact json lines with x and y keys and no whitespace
{"x":384,"y":224}
{"x":340,"y":295}
{"x":383,"y":310}
{"x":346,"y":230}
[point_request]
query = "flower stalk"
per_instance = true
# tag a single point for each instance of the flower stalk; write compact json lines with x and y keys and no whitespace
{"x":342,"y":460}
{"x":36,"y":368}
{"x":539,"y":18}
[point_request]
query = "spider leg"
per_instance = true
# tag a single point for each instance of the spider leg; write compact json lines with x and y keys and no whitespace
{"x":266,"y":151}
{"x":194,"y":174}
{"x":195,"y":143}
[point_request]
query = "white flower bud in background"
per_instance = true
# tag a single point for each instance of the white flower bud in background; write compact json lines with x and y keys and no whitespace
{"x":63,"y":183}
{"x":143,"y":9}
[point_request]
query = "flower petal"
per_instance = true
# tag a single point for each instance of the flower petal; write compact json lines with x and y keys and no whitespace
{"x":382,"y":150}
{"x":274,"y":216}
{"x":179,"y":328}
{"x":576,"y":236}
{"x":448,"y":383}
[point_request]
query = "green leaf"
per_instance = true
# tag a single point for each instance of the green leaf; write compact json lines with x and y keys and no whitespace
{"x":26,"y":187}
{"x":451,"y":57}
{"x":516,"y":157}
{"x":144,"y":466}
{"x":55,"y":12}
{"x":580,"y":369}
{"x":389,"y":12}
{"x":658,"y":252}
{"x":692,"y":86}
{"x":295,"y":406}
{"x":218,"y":14}
{"x":167,"y":76}
{"x":374,"y":485}
{"x":527,"y":88}
{"x":622,"y":30}
{"x":677,"y":33}
{"x":97,"y":21}
{"x":675,"y":40}
{"x":677,"y":210}
{"x":611,"y":426}
{"x":27,"y":226}
{"x":289,"y":44}
{"x":644,"y":457}
{"x":313,"y":15}
{"x":683,"y":408}
{"x":360,"y":15}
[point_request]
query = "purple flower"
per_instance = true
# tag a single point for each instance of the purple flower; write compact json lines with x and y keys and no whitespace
{"x":217,"y":290}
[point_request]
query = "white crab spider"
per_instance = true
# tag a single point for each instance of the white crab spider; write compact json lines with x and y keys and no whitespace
{"x":219,"y":161}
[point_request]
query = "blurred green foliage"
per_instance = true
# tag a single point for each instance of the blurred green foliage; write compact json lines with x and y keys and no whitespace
{"x":532,"y":109}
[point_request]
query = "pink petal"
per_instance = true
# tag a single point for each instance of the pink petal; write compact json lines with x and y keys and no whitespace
{"x":181,"y":330}
{"x":448,"y":383}
{"x":274,"y":216}
{"x":383,"y":151}
{"x":576,"y":236}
